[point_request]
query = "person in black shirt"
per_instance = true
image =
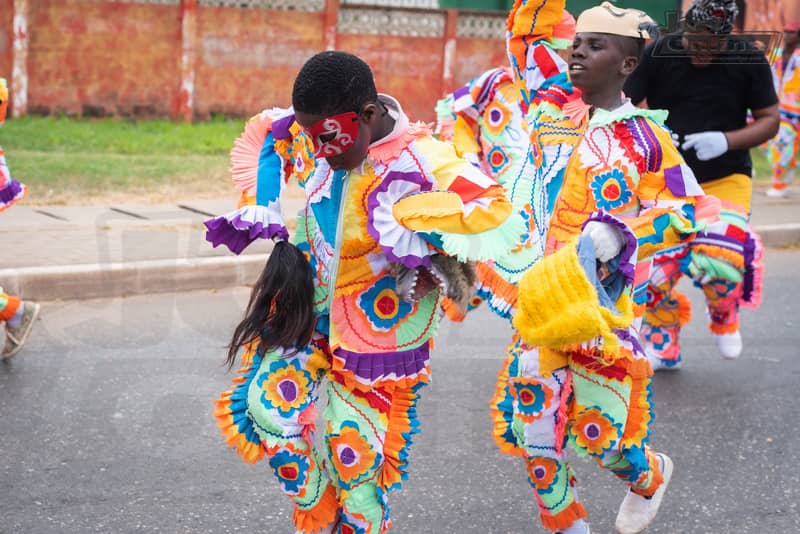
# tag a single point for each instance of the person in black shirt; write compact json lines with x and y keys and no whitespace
{"x":708,"y":80}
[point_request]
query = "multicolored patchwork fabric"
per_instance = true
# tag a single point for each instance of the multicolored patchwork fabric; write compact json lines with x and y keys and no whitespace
{"x":729,"y":252}
{"x":783,"y":150}
{"x":546,"y":399}
{"x":412,"y":198}
{"x":618,"y":167}
{"x":271,"y":412}
{"x":558,"y":165}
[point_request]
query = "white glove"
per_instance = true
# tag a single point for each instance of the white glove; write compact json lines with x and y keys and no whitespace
{"x":607,"y":239}
{"x":707,"y":145}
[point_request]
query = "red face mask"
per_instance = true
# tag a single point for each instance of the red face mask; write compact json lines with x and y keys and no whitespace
{"x":334,"y":135}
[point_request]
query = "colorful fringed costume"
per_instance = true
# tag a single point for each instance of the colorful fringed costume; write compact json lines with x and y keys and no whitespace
{"x":724,"y":259}
{"x":729,"y":252}
{"x":410,"y":200}
{"x":11,"y":191}
{"x":784,"y":149}
{"x":575,"y":370}
{"x":485,"y":122}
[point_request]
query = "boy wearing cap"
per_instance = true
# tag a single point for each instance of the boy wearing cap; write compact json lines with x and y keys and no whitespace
{"x":783,"y":148}
{"x":606,"y":190}
{"x":707,"y":80}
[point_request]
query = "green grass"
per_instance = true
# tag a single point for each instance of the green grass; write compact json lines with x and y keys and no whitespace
{"x":119,"y":136}
{"x":761,"y":168}
{"x":75,"y":161}
{"x":64,"y":160}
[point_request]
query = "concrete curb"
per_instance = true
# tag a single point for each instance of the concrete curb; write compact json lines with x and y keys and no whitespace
{"x":131,"y":278}
{"x":159,"y":276}
{"x":779,"y":235}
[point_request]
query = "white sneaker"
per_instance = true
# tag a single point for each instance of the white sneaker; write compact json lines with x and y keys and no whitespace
{"x":777,"y":193}
{"x":583,"y":528}
{"x":729,"y":345}
{"x":636,"y":512}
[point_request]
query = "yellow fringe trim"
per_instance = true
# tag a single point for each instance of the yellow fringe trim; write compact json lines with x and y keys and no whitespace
{"x":558,"y":307}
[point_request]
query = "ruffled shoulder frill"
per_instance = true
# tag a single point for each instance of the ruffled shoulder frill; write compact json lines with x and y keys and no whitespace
{"x":270,"y":150}
{"x":602,"y":117}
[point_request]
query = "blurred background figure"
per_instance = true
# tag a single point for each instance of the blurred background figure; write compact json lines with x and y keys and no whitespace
{"x":17,"y":315}
{"x":782,"y":151}
{"x":708,"y":79}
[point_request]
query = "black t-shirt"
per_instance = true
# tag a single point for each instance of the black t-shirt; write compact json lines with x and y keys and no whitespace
{"x":700,"y":99}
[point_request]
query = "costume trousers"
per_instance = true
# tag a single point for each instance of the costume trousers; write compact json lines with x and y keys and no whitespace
{"x":730,"y":240}
{"x":545,"y":399}
{"x":782,"y":152}
{"x":340,"y":486}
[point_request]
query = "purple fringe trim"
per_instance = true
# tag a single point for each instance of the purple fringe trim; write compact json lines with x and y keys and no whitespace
{"x":237,"y":234}
{"x":375,"y":366}
{"x":410,"y":261}
{"x":748,"y":284}
{"x":11,"y":193}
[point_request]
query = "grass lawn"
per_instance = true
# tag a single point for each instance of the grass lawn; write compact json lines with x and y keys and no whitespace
{"x":69,"y":161}
{"x":75,"y":161}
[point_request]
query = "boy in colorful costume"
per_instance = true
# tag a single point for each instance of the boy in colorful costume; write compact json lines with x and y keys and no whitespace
{"x":18,"y":315}
{"x":707,"y":95}
{"x":784,"y":149}
{"x":604,"y":184}
{"x":355,"y":300}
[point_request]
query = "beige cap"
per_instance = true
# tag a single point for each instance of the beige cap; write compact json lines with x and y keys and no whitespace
{"x":607,"y":18}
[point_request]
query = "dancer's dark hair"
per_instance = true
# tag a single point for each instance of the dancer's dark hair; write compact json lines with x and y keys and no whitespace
{"x":281,"y":307}
{"x":333,"y":82}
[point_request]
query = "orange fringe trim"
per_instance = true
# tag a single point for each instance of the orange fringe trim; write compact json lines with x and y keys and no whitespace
{"x":639,"y":413}
{"x":636,"y":368}
{"x":400,"y":421}
{"x":500,"y":425}
{"x":500,"y":288}
{"x":12,"y":305}
{"x":250,"y":452}
{"x":734,"y":258}
{"x":565,"y":518}
{"x":723,"y":328}
{"x":321,"y":515}
{"x":657,"y":478}
{"x":346,"y":378}
{"x":684,"y":308}
{"x":452,"y":311}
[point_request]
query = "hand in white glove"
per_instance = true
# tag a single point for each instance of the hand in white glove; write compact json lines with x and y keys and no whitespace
{"x":607,"y":239}
{"x":707,"y":145}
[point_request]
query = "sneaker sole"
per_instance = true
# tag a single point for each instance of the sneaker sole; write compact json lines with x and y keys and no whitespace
{"x":21,"y":342}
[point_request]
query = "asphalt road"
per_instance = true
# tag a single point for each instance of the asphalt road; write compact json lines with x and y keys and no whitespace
{"x":105,"y":426}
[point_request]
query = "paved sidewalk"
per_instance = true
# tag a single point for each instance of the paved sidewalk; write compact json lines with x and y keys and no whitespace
{"x":56,"y":252}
